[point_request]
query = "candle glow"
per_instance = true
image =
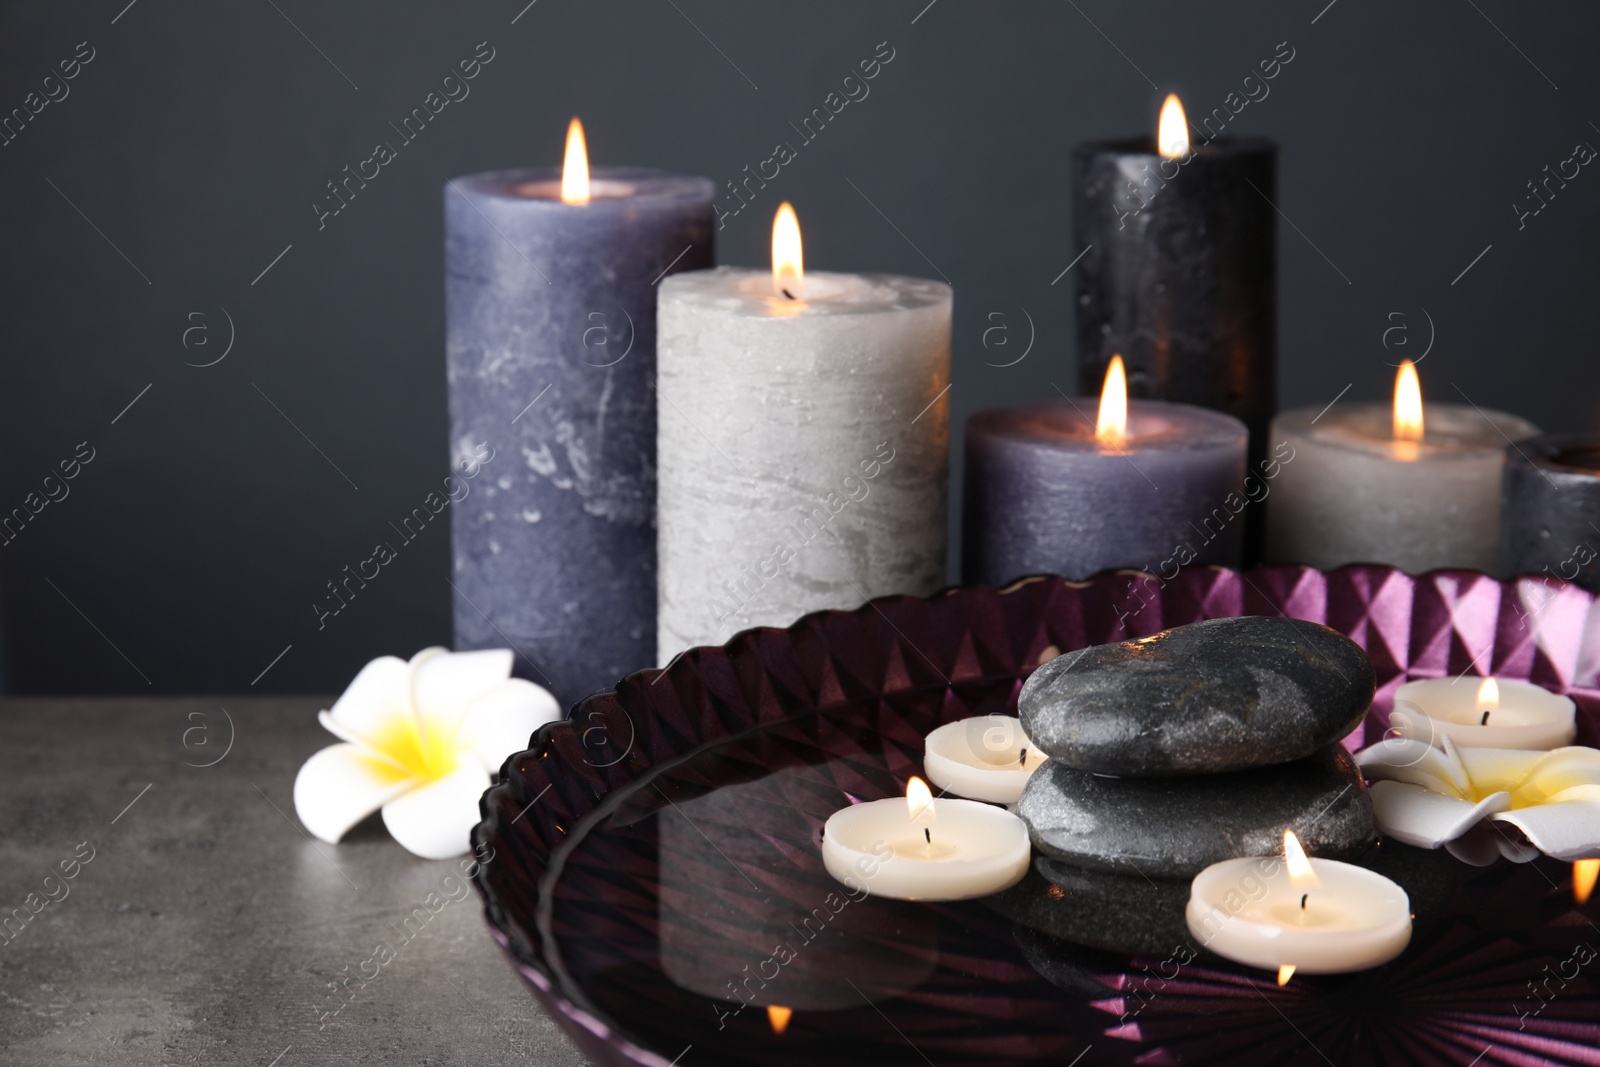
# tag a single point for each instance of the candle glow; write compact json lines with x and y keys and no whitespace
{"x":1111,"y":427}
{"x":1584,"y":873}
{"x":778,"y":1017}
{"x":1407,"y":409}
{"x":1285,"y":973}
{"x":1172,"y":130}
{"x":575,"y":167}
{"x":788,"y":260}
{"x":1489,"y":695}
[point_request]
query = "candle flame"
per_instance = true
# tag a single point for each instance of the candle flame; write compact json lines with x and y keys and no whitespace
{"x":919,"y":798}
{"x":1300,"y":869}
{"x":1111,"y":428}
{"x":1584,"y":873}
{"x":1172,"y":130}
{"x":778,"y":1017}
{"x":788,"y":260}
{"x":1489,"y":695}
{"x":1407,"y":404}
{"x":1285,"y":973}
{"x":575,"y":168}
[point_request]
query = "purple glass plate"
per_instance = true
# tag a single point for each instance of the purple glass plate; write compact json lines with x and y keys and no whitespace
{"x":656,"y":877}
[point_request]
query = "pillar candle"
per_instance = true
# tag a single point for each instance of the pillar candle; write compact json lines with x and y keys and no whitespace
{"x":1179,"y":269}
{"x":803,"y":446}
{"x":550,"y":334}
{"x":1550,"y":510}
{"x":1046,"y":495}
{"x":1364,"y":488}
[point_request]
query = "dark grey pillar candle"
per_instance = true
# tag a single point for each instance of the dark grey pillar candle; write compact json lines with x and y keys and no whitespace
{"x":1044,"y":497}
{"x":1550,"y":510}
{"x":1179,"y":275}
{"x":551,"y":335}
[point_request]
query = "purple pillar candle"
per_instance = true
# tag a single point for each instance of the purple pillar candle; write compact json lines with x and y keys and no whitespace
{"x":1044,"y":495}
{"x":551,"y":335}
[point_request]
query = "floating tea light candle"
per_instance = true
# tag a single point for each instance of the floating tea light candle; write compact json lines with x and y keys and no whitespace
{"x":987,"y":757}
{"x":1312,"y":916}
{"x":921,"y":849}
{"x":1484,"y":713}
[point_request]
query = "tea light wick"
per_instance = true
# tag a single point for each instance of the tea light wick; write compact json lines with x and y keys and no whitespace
{"x":927,"y":835}
{"x":1303,"y":897}
{"x":1485,"y":720}
{"x":1022,"y":758}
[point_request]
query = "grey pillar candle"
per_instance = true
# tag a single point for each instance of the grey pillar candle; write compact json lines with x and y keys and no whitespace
{"x":1550,"y":510}
{"x":1044,"y":496}
{"x":1413,"y":486}
{"x":551,"y":348}
{"x":804,"y":446}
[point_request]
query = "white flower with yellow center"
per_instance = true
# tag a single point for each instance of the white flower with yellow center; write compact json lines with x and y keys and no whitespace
{"x":1454,"y":797}
{"x":421,"y":740}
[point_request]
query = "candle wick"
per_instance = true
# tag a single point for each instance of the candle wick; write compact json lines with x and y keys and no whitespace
{"x":1022,"y":757}
{"x":1485,"y":720}
{"x":787,"y":293}
{"x":927,"y":835}
{"x":1303,"y":897}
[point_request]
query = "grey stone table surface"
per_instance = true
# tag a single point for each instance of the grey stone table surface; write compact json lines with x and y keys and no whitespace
{"x":201,"y":925}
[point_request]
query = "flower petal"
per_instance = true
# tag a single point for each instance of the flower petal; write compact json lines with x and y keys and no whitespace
{"x":1417,"y":816}
{"x":444,"y":685}
{"x":502,"y":720}
{"x":1567,"y":830}
{"x":1407,"y":759}
{"x":1558,"y":770}
{"x":372,"y":703}
{"x":340,"y":786}
{"x":436,"y":819}
{"x":1496,"y":769}
{"x":1479,"y":846}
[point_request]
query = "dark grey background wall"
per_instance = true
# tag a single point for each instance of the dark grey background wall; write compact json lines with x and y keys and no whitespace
{"x":187,"y":156}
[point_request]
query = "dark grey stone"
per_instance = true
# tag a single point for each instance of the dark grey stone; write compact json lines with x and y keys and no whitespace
{"x":1219,"y":695}
{"x":1175,"y":827}
{"x":1124,"y":914}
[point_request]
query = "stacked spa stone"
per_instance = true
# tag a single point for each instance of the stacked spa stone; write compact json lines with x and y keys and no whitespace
{"x":1173,"y":752}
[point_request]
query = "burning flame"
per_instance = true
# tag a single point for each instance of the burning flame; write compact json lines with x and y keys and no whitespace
{"x":919,"y":798}
{"x":1285,"y":973}
{"x":1300,"y":870}
{"x":1111,"y":428}
{"x":778,"y":1017}
{"x":575,"y":169}
{"x":1584,"y":873}
{"x":1489,"y":695}
{"x":1407,"y":404}
{"x":788,"y":261}
{"x":1172,"y":130}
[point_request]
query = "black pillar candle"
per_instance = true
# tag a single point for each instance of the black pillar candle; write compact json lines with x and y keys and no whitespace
{"x":1550,"y":510}
{"x":1179,"y":274}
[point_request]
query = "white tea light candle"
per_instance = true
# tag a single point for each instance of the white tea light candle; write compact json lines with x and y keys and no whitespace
{"x":1484,"y":713}
{"x":917,"y":848}
{"x":1314,"y":916}
{"x":987,"y":757}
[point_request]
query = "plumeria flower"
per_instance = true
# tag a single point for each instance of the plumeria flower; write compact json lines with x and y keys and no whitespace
{"x":1429,"y":797}
{"x":421,"y":740}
